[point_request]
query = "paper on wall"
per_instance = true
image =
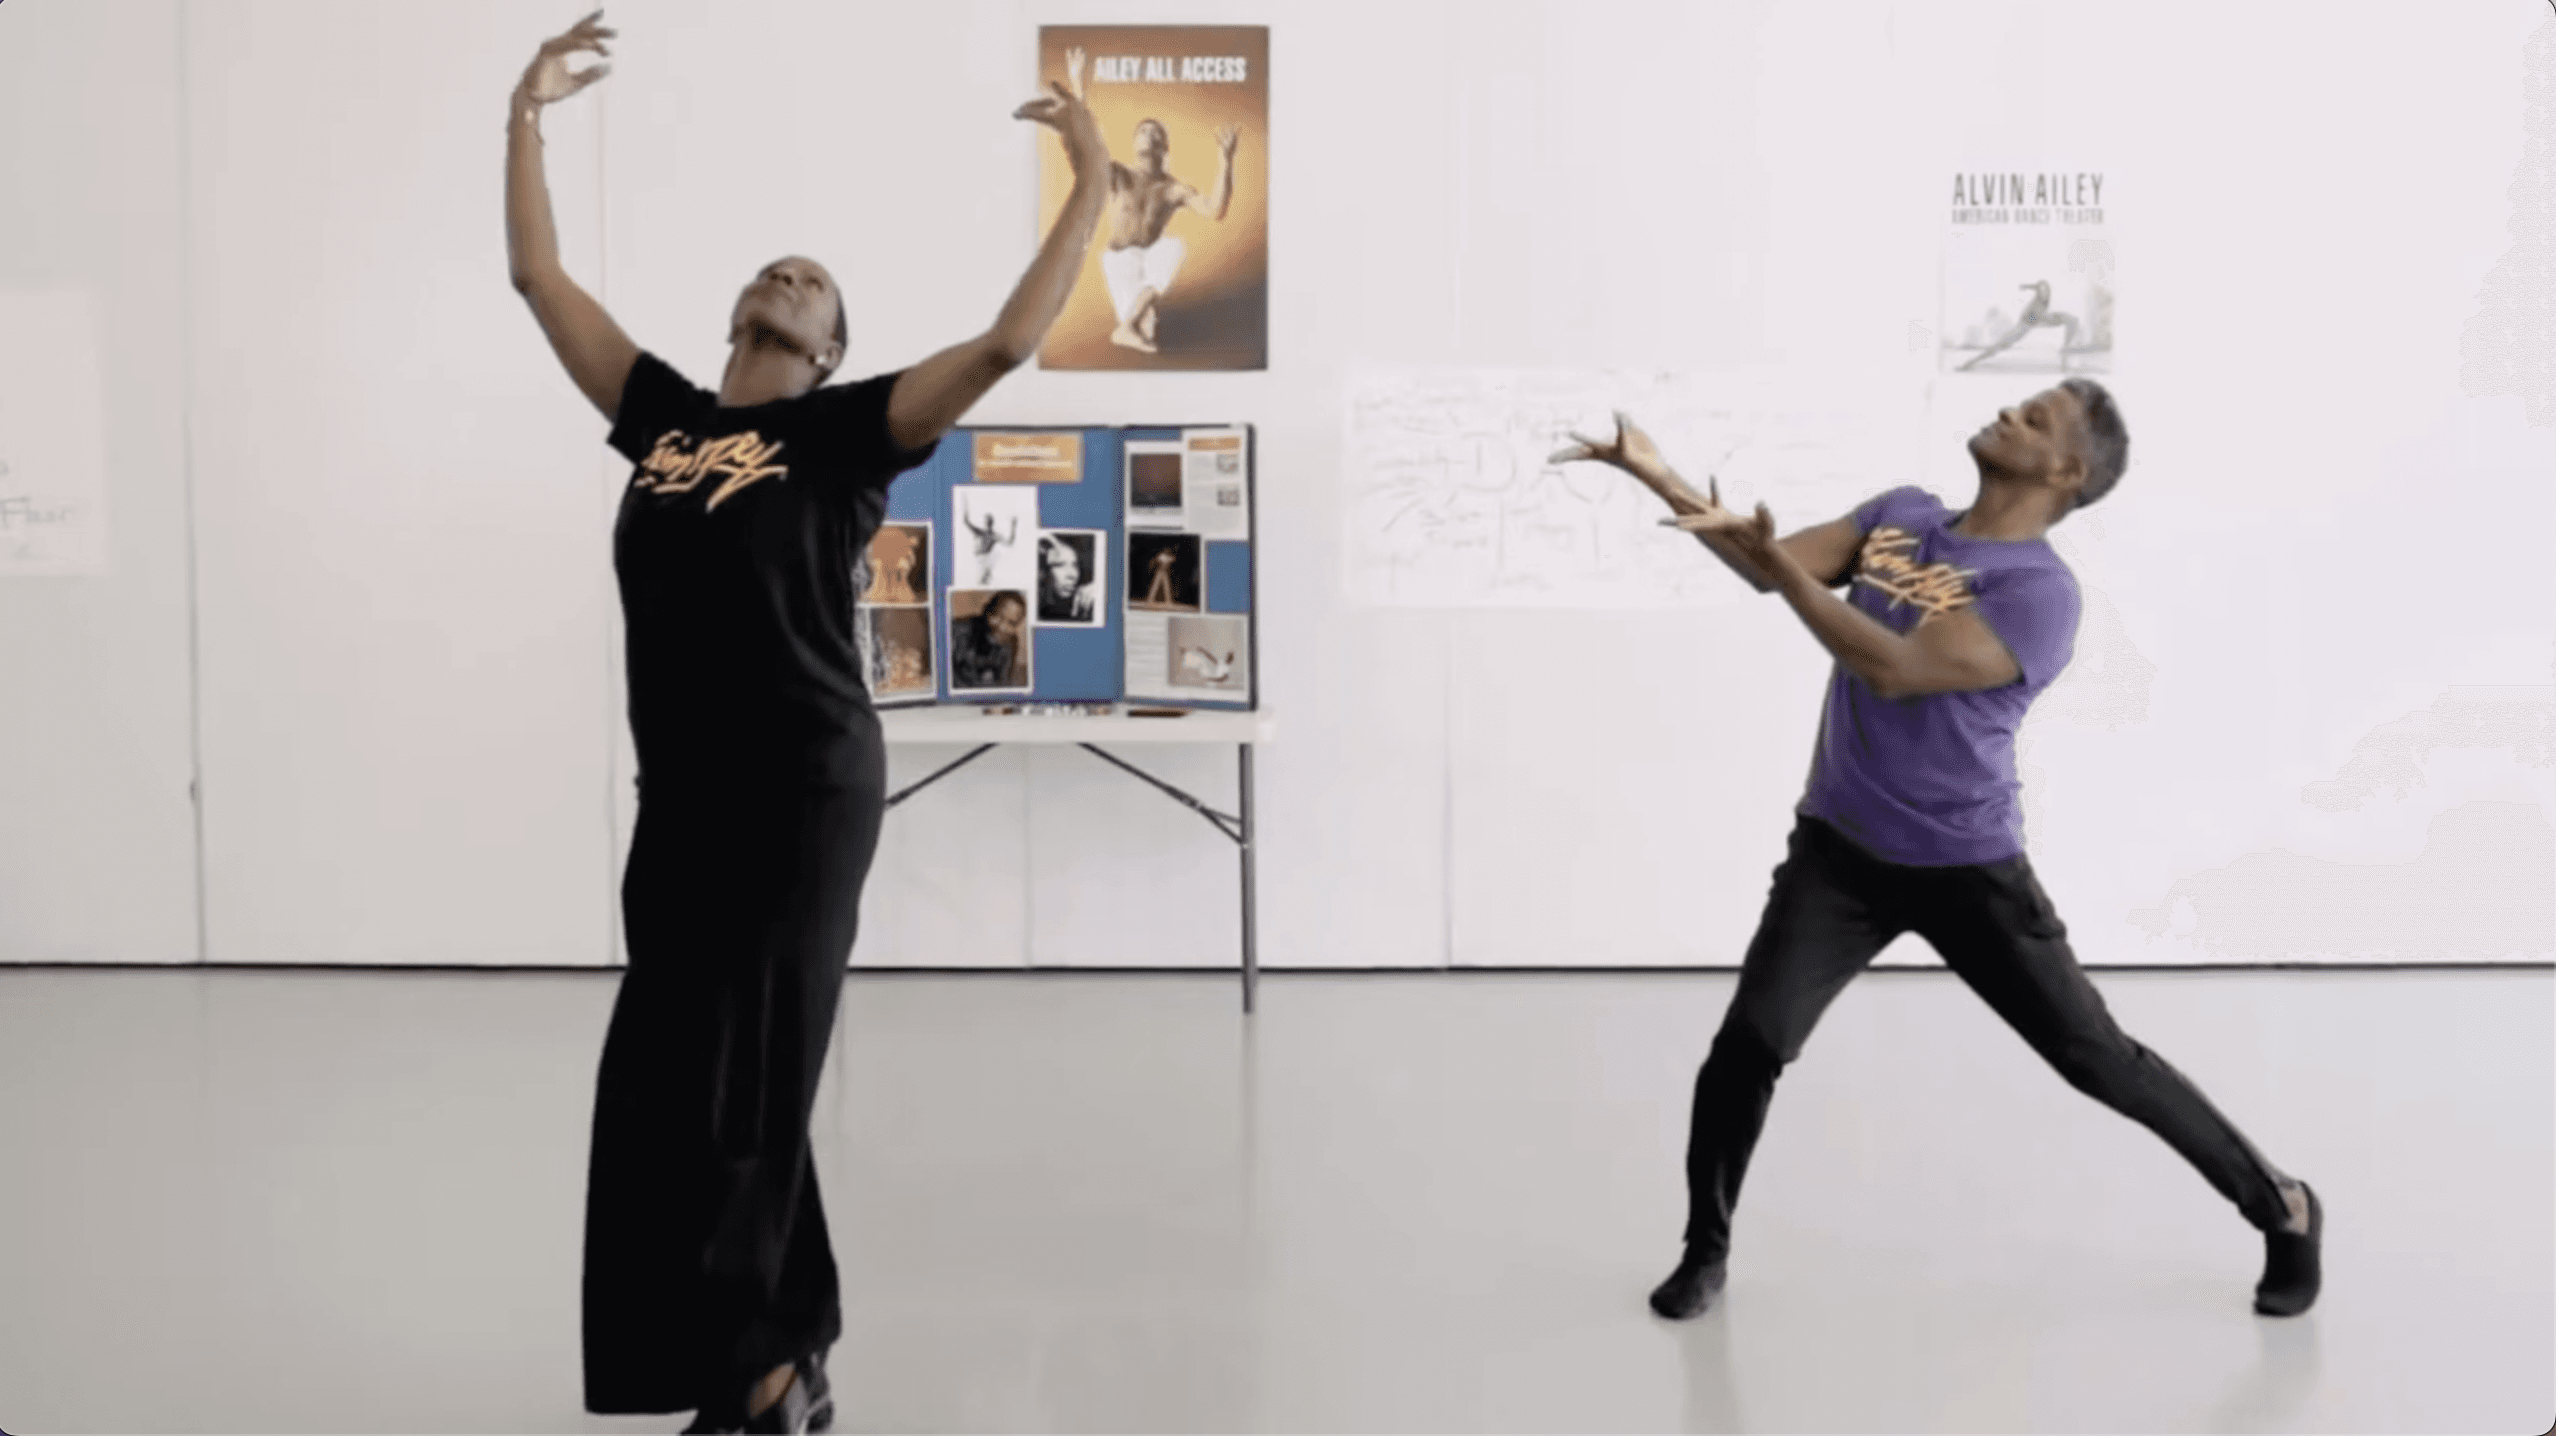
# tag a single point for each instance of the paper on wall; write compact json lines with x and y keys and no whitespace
{"x":52,"y":435}
{"x":2028,"y":273}
{"x":1452,"y":499}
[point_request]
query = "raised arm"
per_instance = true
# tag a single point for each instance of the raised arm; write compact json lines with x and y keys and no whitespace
{"x":1222,"y":196}
{"x":1825,"y":551}
{"x":597,"y":355}
{"x":934,"y":394}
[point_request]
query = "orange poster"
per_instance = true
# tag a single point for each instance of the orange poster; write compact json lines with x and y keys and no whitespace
{"x":1178,"y":276}
{"x":1052,"y":458}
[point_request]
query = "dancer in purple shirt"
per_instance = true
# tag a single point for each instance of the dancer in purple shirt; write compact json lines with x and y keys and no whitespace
{"x":1951,"y":625}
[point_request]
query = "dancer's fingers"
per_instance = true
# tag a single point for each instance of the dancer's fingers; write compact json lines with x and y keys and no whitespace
{"x":1704,"y":523}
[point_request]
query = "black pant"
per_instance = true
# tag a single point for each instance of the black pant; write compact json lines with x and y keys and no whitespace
{"x":707,"y":1261}
{"x":1833,"y":908}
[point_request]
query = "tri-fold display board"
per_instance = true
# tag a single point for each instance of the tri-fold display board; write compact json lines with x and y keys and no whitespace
{"x":1067,"y":565}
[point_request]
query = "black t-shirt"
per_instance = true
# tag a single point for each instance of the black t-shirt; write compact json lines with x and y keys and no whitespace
{"x":735,"y":547}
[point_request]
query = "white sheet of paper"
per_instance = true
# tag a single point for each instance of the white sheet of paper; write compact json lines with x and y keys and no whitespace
{"x":1452,"y":498}
{"x":1215,"y":483}
{"x":1149,"y":657}
{"x":52,"y":435}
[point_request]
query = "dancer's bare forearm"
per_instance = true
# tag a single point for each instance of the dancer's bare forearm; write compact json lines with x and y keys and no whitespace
{"x":596,"y":353}
{"x":1952,"y":650}
{"x":934,"y":394}
{"x":1682,"y":500}
{"x":1040,"y":296}
{"x":532,"y":240}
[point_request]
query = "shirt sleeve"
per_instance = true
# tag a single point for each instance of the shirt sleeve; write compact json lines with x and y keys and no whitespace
{"x":1893,"y":505}
{"x":653,"y":400}
{"x":2033,"y":611}
{"x":857,"y":415}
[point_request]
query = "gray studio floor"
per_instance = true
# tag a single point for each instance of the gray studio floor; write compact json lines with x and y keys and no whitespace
{"x":349,"y":1202}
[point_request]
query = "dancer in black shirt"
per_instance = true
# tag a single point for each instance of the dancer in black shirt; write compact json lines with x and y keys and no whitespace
{"x":709,"y":1279}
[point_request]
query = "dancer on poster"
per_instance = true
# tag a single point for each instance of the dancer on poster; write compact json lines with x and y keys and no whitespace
{"x":1954,"y":622}
{"x":709,"y":1280}
{"x":1183,"y":270}
{"x":2037,"y":314}
{"x":1142,"y":259}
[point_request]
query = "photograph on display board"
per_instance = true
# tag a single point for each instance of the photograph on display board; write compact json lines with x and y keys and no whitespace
{"x":989,"y":640}
{"x":995,"y":543}
{"x":1178,"y":276}
{"x":1071,"y":583}
{"x":896,"y":652}
{"x":1154,"y":483}
{"x":897,"y":566}
{"x":1210,"y":653}
{"x":1164,"y":572}
{"x":2028,"y":274}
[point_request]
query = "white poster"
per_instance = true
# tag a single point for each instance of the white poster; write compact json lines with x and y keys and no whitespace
{"x":52,"y":436}
{"x":2028,"y":274}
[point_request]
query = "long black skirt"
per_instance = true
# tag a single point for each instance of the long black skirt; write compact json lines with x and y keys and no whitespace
{"x":706,"y":1257}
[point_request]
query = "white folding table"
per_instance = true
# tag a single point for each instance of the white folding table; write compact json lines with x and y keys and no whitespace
{"x":982,"y":732}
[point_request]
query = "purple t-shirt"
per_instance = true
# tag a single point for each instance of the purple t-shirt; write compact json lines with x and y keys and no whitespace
{"x":1930,"y":781}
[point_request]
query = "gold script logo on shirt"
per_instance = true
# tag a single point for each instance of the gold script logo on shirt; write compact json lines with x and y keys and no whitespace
{"x":680,"y":463}
{"x":1935,"y":588}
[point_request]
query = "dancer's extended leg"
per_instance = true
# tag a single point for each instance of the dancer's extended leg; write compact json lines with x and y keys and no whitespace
{"x":1831,"y":910}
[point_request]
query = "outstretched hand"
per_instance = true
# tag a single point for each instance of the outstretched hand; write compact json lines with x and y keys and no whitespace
{"x":1062,"y":110}
{"x":1228,"y":136}
{"x":1752,"y":534}
{"x":548,"y":80}
{"x":1630,"y":450}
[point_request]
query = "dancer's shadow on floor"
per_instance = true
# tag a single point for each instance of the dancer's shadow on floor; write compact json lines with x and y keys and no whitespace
{"x":1704,"y":1349}
{"x":2269,"y":1395}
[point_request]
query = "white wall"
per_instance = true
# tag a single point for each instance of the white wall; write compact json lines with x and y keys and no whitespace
{"x":403,"y":534}
{"x":97,"y":838}
{"x":412,"y":745}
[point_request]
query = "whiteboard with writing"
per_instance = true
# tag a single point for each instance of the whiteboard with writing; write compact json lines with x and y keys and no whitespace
{"x":1452,"y":499}
{"x":52,"y":435}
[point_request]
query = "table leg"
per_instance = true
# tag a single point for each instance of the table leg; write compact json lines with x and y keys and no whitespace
{"x":1250,"y":894}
